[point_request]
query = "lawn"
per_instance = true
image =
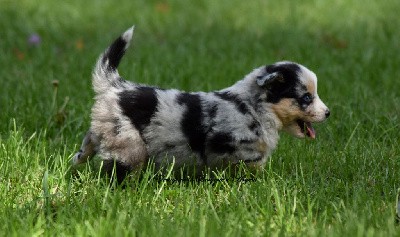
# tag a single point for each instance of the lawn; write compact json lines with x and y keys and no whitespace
{"x":344,"y":183}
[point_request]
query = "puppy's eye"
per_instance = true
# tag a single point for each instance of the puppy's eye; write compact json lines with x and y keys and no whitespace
{"x":307,"y":98}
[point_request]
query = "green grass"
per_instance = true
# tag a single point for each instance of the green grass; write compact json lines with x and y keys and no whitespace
{"x":345,"y":183}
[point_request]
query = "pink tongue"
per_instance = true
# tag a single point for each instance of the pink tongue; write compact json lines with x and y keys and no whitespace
{"x":310,"y":130}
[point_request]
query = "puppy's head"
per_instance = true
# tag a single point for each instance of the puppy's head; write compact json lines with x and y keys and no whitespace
{"x":291,"y":91}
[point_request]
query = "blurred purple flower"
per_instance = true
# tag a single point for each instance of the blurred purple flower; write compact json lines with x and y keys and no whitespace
{"x":34,"y":39}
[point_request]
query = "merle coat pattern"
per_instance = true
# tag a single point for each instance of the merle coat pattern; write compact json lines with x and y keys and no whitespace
{"x":133,"y":124}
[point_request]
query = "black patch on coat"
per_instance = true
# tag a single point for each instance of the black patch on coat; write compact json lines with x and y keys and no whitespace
{"x":212,"y":112}
{"x":221,"y":143}
{"x":117,"y":126}
{"x":255,"y":127}
{"x":228,"y":96}
{"x":247,"y":141}
{"x":277,"y":89}
{"x":114,"y":54}
{"x":139,"y":105}
{"x":192,"y":122}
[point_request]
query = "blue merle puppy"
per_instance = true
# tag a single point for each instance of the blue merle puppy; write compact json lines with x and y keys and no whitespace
{"x":134,"y":124}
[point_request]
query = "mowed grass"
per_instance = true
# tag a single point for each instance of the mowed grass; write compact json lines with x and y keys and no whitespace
{"x":344,"y":183}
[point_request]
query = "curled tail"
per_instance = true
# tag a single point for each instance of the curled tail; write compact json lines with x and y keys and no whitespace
{"x":105,"y":73}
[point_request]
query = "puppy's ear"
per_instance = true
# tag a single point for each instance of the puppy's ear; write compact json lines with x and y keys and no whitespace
{"x":269,"y":78}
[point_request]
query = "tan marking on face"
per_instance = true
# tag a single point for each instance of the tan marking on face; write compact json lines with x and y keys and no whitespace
{"x":287,"y":111}
{"x":310,"y":85}
{"x":309,"y":79}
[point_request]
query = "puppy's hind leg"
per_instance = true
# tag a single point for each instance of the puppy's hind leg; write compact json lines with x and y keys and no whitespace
{"x":88,"y":149}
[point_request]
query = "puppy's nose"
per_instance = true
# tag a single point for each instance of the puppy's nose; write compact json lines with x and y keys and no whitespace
{"x":327,"y":113}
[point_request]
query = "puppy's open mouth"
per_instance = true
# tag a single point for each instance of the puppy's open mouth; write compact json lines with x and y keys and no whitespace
{"x":306,"y":128}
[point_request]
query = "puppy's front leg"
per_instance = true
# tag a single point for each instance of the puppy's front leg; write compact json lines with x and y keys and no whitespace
{"x":88,"y":149}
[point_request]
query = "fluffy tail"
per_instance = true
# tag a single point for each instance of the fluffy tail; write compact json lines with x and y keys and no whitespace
{"x":105,"y":73}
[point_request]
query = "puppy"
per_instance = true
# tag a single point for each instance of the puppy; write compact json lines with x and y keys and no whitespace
{"x":134,"y":124}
